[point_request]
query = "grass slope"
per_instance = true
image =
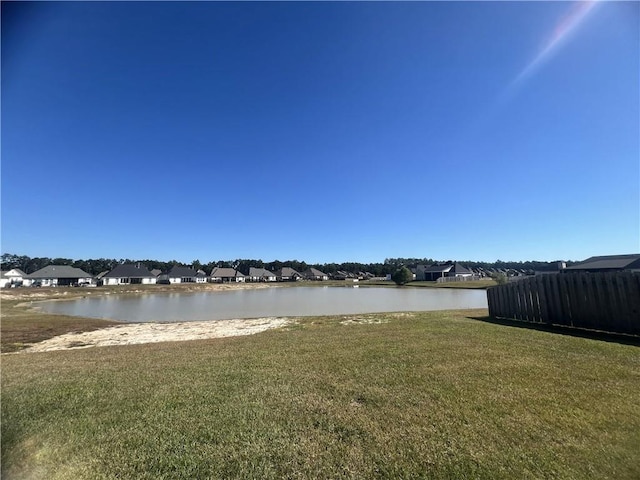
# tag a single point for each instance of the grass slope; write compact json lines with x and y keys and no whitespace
{"x":425,"y":395}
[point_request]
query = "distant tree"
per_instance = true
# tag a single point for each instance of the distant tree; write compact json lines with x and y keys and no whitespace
{"x":402,"y":275}
{"x":500,"y":278}
{"x":62,"y":261}
{"x":243,"y":265}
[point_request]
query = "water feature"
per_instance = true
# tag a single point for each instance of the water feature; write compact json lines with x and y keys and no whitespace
{"x":267,"y":302}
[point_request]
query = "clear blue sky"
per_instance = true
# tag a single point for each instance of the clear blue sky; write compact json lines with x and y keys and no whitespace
{"x":321,"y":131}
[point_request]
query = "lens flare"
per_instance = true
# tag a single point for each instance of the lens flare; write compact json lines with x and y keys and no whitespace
{"x":567,"y":25}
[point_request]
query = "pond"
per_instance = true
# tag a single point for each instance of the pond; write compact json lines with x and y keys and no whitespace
{"x":267,"y":302}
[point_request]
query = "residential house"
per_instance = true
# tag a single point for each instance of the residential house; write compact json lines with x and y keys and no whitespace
{"x":261,"y":275}
{"x":157,"y":272}
{"x":225,"y":275}
{"x":607,"y":263}
{"x":339,"y":275}
{"x":60,"y":275}
{"x":14,"y":278}
{"x":201,"y":276}
{"x":128,"y":273}
{"x":314,"y":274}
{"x":449,"y":269}
{"x":288,"y":274}
{"x":99,"y":280}
{"x":344,"y":275}
{"x":178,"y":274}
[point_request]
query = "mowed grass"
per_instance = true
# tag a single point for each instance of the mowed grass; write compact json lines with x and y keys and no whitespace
{"x":424,"y":395}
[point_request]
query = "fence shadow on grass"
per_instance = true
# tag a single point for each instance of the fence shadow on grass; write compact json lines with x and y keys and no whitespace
{"x":562,"y":330}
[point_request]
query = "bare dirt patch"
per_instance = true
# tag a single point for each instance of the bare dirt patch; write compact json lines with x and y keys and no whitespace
{"x":131,"y":334}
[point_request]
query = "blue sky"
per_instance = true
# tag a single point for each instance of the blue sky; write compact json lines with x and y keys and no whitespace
{"x":324,"y":132}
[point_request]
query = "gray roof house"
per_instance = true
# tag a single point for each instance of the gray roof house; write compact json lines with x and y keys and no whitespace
{"x":221,"y":274}
{"x":314,"y":274}
{"x":60,"y":275}
{"x":179,"y":274}
{"x":433,"y":272}
{"x":260,"y":275}
{"x":129,"y":273}
{"x":287,"y":274}
{"x":607,"y":263}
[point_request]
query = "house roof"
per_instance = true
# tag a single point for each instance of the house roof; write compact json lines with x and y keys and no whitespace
{"x":17,"y":273}
{"x":260,"y":272}
{"x":287,"y":272}
{"x":60,"y":271}
{"x":225,"y":272}
{"x":102,"y":274}
{"x":447,"y":268}
{"x":156,"y":272}
{"x":201,"y":273}
{"x":177,"y":271}
{"x":457,"y":268}
{"x":314,"y":272}
{"x":609,"y":262}
{"x":439,"y":268}
{"x":129,"y":270}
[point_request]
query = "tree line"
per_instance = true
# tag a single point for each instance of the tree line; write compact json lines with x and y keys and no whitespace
{"x":389,"y":266}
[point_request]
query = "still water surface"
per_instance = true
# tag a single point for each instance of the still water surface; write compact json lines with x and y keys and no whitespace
{"x":268,"y":302}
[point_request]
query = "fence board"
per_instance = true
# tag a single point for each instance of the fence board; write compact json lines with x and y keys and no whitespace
{"x":558,"y":313}
{"x":493,"y":303}
{"x":512,"y":300}
{"x":591,"y":301}
{"x":621,"y":290}
{"x":602,"y":301}
{"x":570,"y":297}
{"x":601,"y":297}
{"x":535,"y":299}
{"x":564,"y":299}
{"x":522,"y":309}
{"x":633,"y":295}
{"x":577,"y":299}
{"x":542,"y":297}
{"x":530,"y":300}
{"x":521,"y":301}
{"x":613,"y":311}
{"x":500,"y":296}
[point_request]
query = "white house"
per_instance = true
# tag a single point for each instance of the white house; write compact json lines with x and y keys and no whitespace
{"x":201,"y":276}
{"x":288,"y":274}
{"x":126,"y":274}
{"x":261,"y":275}
{"x":60,"y":275}
{"x":180,"y":275}
{"x":449,"y":269}
{"x":224,"y":275}
{"x":14,"y":278}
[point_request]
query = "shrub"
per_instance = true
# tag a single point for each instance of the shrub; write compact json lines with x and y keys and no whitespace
{"x":402,"y":275}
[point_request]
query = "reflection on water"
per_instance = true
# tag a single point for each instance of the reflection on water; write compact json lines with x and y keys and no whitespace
{"x":268,"y":302}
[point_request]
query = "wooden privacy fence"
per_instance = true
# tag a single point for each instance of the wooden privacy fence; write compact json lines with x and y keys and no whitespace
{"x":598,"y":301}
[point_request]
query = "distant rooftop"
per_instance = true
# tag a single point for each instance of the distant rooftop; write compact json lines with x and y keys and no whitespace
{"x":609,"y":262}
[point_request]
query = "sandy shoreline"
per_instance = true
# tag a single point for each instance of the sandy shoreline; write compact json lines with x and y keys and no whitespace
{"x":137,"y":333}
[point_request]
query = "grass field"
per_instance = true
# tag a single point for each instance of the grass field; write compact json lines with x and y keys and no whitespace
{"x":425,"y":395}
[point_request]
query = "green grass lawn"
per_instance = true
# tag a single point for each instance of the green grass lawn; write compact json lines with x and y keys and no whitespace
{"x":425,"y":395}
